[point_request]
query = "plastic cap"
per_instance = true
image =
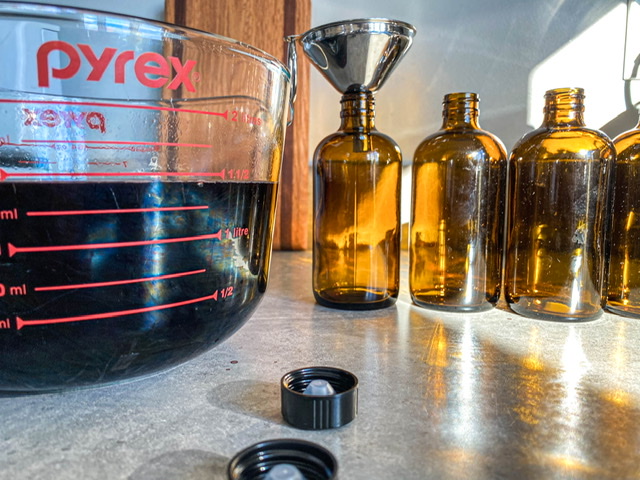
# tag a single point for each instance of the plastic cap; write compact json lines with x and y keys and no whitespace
{"x":317,"y":398}
{"x":272,"y":457}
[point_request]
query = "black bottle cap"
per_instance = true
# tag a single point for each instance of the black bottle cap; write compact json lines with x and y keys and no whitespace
{"x":312,"y":461}
{"x":314,"y":406}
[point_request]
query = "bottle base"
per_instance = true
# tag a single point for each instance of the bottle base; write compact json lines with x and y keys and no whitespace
{"x":548,"y":309}
{"x":442,"y":306}
{"x":623,"y":310}
{"x":355,"y":298}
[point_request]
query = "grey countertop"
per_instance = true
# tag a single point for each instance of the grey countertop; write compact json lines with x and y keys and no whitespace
{"x":441,"y":396}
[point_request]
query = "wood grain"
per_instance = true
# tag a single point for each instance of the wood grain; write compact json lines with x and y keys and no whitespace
{"x":264,"y":24}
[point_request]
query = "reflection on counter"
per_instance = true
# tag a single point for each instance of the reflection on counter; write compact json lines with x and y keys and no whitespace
{"x":487,"y":406}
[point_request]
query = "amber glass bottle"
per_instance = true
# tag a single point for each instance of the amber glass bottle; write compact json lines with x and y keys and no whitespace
{"x":356,"y":244}
{"x":624,"y":265}
{"x":560,"y":191}
{"x":457,"y":212}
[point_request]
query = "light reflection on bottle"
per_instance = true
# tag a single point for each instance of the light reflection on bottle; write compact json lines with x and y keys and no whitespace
{"x":540,"y":257}
{"x":470,"y":271}
{"x":626,"y":269}
{"x":442,"y":256}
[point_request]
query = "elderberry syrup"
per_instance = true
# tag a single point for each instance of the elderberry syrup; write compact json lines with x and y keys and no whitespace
{"x":104,"y":281}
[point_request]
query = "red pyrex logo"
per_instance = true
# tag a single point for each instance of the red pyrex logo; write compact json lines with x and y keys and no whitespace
{"x":146,"y":64}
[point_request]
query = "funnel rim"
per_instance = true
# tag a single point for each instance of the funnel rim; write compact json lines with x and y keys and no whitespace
{"x":344,"y":27}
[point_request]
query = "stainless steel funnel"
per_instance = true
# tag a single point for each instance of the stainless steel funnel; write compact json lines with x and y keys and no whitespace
{"x":357,"y":53}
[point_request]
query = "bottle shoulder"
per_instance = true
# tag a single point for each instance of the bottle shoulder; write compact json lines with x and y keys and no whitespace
{"x":574,"y":142}
{"x":461,"y":143}
{"x":627,"y":146}
{"x":341,"y":135}
{"x":372,"y":146}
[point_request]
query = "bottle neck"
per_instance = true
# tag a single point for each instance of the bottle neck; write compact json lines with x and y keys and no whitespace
{"x":564,"y":107}
{"x":460,"y":110}
{"x":358,"y":112}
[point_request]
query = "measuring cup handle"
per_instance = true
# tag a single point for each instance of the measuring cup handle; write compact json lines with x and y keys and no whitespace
{"x":292,"y":64}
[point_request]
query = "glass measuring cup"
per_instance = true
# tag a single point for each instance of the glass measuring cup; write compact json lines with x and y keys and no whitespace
{"x":139,"y":165}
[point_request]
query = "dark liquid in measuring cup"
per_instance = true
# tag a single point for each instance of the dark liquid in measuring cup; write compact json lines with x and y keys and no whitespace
{"x":105,"y":281}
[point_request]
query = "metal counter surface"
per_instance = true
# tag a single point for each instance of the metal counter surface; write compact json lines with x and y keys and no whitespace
{"x":441,"y":396}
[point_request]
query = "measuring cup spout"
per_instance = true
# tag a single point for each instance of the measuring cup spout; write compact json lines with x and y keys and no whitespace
{"x":292,"y":64}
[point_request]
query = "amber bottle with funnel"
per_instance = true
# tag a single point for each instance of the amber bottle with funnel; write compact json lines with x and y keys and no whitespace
{"x":357,"y":170}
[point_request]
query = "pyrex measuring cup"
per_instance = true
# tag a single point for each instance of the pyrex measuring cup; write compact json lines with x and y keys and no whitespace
{"x":139,"y":165}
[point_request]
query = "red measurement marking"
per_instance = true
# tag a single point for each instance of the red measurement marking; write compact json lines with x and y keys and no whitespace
{"x":55,"y":213}
{"x":224,"y":114}
{"x":226,"y":292}
{"x":97,"y":316}
{"x":94,"y":246}
{"x":7,"y":141}
{"x":4,"y":175}
{"x":35,"y":162}
{"x":117,"y":282}
{"x":102,"y":142}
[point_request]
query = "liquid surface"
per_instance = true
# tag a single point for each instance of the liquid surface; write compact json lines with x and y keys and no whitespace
{"x":106,"y":281}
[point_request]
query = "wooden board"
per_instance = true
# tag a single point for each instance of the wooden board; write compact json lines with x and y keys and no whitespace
{"x":264,"y":24}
